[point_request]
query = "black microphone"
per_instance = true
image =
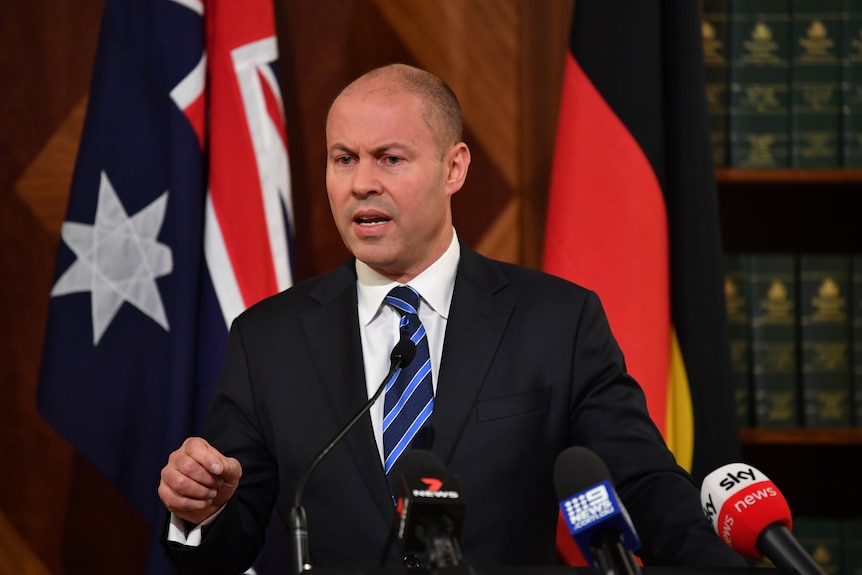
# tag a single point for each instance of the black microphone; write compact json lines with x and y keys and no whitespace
{"x":594,"y":514}
{"x":429,"y":509}
{"x":752,"y":516}
{"x":402,"y":354}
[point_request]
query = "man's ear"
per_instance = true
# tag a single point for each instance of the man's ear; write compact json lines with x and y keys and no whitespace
{"x":458,"y":163}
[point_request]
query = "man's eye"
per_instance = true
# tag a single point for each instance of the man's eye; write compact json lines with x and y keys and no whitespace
{"x":392,"y":160}
{"x":343,"y":160}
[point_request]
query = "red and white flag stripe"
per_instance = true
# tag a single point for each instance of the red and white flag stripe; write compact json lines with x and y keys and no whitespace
{"x":249,"y":212}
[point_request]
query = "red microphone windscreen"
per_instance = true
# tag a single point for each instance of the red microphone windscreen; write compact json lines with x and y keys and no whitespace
{"x":741,"y":502}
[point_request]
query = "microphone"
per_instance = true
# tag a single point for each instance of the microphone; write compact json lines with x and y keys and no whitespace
{"x":751,"y":515}
{"x":402,"y":354}
{"x":429,"y":509}
{"x":594,"y":514}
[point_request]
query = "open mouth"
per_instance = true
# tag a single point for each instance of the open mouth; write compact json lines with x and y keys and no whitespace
{"x":371,"y":220}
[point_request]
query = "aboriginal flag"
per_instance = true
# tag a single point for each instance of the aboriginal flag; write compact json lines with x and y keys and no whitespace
{"x":633,"y":212}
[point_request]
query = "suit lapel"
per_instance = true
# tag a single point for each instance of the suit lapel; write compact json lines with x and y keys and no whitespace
{"x":478,"y":316}
{"x":333,"y":334}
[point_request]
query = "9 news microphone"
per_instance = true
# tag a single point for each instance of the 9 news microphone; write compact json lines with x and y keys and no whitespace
{"x":402,"y":354}
{"x":429,"y":509}
{"x":752,"y":516}
{"x":594,"y":514}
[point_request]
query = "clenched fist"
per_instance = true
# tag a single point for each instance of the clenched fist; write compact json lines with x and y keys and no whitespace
{"x":198,"y":480}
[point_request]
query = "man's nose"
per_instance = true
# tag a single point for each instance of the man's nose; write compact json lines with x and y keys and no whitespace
{"x":365,"y":179}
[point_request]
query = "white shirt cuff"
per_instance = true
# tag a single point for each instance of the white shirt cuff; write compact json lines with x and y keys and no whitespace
{"x":177,"y":532}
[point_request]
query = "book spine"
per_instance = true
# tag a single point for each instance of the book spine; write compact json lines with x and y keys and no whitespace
{"x":736,"y":290}
{"x":852,"y":539}
{"x":851,"y":85}
{"x":759,"y":76}
{"x":822,"y":538}
{"x":856,"y":335}
{"x":815,"y":75}
{"x":714,"y":29}
{"x":774,"y":375}
{"x":824,"y":332}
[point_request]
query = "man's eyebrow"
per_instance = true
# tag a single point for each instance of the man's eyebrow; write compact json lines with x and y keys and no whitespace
{"x":389,"y":148}
{"x":380,"y":150}
{"x":339,"y":147}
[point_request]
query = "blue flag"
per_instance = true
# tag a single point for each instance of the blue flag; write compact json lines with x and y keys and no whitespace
{"x":145,"y":285}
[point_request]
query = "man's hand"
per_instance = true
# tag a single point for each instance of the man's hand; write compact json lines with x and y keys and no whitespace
{"x":198,"y":480}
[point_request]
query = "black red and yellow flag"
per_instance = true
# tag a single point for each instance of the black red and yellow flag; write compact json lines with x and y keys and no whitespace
{"x":633,"y":212}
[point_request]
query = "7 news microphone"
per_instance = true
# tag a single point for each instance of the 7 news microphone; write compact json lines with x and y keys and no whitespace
{"x":429,"y":510}
{"x":402,"y":354}
{"x":594,"y":514}
{"x":751,"y":515}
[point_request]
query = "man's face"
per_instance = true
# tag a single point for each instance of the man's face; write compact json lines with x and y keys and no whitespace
{"x":389,"y":182}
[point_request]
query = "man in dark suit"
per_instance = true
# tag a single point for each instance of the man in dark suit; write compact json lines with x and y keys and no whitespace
{"x":522,"y":366}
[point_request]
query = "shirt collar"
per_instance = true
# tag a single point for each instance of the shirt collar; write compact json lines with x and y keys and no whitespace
{"x":435,"y":284}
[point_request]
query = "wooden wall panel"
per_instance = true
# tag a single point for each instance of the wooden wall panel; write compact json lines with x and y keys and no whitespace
{"x":503,"y":58}
{"x":474,"y":47}
{"x":46,"y":54}
{"x":544,"y":41}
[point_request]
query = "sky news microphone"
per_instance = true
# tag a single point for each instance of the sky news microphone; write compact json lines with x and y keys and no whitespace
{"x":402,"y":354}
{"x":751,"y":515}
{"x":594,"y":514}
{"x":429,"y":509}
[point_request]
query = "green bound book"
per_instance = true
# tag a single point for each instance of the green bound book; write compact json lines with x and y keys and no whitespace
{"x":856,"y":335}
{"x":824,"y":335}
{"x":815,"y":80}
{"x":774,"y":381}
{"x":851,"y":84}
{"x":736,"y":291}
{"x":759,"y":75}
{"x":823,"y":539}
{"x":852,"y":546}
{"x":714,"y":31}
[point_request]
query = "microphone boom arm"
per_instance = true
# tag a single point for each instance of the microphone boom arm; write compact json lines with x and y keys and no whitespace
{"x":402,"y":354}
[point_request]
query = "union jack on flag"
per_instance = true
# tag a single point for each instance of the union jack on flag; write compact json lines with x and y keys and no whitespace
{"x":179,"y":218}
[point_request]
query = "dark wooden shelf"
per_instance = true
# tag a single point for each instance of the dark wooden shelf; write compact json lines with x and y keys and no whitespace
{"x":839,"y":176}
{"x":798,"y":436}
{"x":793,"y":211}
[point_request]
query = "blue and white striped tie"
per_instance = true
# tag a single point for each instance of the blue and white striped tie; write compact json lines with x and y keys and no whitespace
{"x":409,"y":397}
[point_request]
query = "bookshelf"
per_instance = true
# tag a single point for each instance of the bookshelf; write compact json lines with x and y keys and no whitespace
{"x":811,"y":211}
{"x":801,"y":211}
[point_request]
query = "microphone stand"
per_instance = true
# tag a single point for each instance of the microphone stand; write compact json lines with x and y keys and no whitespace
{"x":611,"y":556}
{"x":444,"y":552}
{"x":402,"y":354}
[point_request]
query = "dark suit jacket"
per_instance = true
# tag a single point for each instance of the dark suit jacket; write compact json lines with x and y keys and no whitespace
{"x":529,"y":368}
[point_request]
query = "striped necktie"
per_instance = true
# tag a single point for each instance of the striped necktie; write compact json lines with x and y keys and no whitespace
{"x":409,"y":397}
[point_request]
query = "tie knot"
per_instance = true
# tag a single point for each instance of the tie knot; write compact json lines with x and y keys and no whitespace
{"x":403,"y":298}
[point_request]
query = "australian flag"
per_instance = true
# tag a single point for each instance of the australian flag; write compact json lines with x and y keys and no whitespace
{"x":179,"y":217}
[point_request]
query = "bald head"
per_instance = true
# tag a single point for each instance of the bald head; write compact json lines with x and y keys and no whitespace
{"x":442,"y":112}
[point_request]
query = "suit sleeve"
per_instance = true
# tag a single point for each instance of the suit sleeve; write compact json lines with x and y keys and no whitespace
{"x":232,"y":542}
{"x":610,"y":417}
